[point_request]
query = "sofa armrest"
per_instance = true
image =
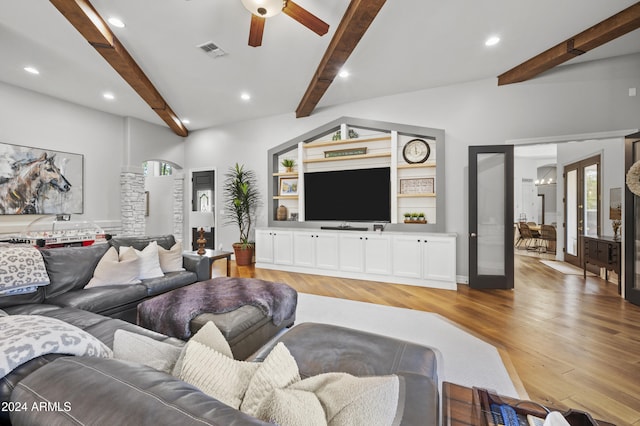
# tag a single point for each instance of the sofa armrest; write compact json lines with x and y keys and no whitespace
{"x":198,"y":264}
{"x":102,"y":391}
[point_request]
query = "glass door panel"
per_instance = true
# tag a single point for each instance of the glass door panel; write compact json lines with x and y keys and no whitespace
{"x":572,"y":212}
{"x":491,"y":216}
{"x":590,"y":218}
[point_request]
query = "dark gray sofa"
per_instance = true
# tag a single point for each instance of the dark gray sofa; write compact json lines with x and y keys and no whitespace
{"x":108,"y":391}
{"x":103,"y":391}
{"x":71,"y":268}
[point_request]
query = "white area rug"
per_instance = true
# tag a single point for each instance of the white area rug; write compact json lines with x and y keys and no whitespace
{"x":463,"y":358}
{"x":565,"y":268}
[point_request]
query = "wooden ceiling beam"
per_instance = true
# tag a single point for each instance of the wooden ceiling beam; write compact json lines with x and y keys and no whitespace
{"x":603,"y":32}
{"x":354,"y":24}
{"x":86,"y":20}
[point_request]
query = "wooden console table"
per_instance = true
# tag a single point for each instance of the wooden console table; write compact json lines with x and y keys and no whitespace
{"x":460,"y":409}
{"x":604,"y":252}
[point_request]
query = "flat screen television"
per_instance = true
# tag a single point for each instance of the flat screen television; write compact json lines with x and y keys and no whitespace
{"x":361,"y":195}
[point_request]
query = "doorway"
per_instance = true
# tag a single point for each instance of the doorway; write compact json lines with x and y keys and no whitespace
{"x":202,"y":214}
{"x":582,"y":195}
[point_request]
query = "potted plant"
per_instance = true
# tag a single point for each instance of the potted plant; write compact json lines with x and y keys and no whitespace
{"x":288,"y":164}
{"x":421,"y":217}
{"x":241,"y":199}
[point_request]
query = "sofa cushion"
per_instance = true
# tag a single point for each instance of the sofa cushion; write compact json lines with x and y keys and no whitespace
{"x":22,"y":299}
{"x":169,"y":281}
{"x":71,"y":268}
{"x":139,"y":243}
{"x":101,"y":299}
{"x":113,"y":392}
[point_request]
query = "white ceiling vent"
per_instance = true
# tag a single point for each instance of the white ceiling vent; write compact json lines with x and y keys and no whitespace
{"x":210,"y":48}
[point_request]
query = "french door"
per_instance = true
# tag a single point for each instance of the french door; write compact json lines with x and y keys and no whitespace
{"x":491,"y":216}
{"x":582,"y":196}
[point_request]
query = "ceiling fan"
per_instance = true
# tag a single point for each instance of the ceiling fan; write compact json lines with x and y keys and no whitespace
{"x":262,"y":9}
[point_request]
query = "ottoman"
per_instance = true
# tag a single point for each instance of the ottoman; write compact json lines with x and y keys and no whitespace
{"x":248,"y":311}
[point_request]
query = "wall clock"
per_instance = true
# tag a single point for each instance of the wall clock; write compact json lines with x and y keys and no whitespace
{"x":416,"y":151}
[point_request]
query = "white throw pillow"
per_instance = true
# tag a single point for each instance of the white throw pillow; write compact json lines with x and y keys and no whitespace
{"x":216,"y":375}
{"x":277,"y":371}
{"x":210,"y":336}
{"x":350,"y":400}
{"x":334,"y":399}
{"x":145,"y":350}
{"x":149,"y":266}
{"x":115,"y":270}
{"x":171,"y":260}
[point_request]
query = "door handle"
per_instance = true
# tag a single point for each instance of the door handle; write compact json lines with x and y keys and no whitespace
{"x":473,"y":235}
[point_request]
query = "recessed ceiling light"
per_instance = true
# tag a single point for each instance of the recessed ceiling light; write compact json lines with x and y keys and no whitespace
{"x":343,"y":74}
{"x":245,"y":96}
{"x":492,"y":41}
{"x":185,"y":121}
{"x":116,"y":22}
{"x":31,"y":70}
{"x":109,"y":96}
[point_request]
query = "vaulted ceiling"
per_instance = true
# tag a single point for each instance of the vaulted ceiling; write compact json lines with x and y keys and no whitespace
{"x":410,"y":45}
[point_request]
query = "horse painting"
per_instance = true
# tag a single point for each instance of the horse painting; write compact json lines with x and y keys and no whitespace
{"x":28,"y":187}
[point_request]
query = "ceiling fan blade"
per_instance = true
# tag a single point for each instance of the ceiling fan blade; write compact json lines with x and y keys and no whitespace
{"x":256,"y":30}
{"x":306,"y":18}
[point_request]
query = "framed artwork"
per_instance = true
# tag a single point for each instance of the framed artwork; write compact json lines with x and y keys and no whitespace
{"x":417,"y":186}
{"x":40,"y":181}
{"x":288,"y":186}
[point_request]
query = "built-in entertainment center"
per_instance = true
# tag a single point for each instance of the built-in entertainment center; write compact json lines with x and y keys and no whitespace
{"x":349,"y":177}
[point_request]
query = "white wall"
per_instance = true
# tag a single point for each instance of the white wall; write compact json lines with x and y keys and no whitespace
{"x":160,"y":219}
{"x":591,"y":97}
{"x":109,"y":144}
{"x":31,"y":119}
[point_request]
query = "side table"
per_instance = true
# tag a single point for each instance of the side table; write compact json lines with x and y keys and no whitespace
{"x":214,"y":255}
{"x":459,"y":408}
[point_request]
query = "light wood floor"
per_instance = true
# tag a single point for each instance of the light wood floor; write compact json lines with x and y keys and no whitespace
{"x":573,"y":343}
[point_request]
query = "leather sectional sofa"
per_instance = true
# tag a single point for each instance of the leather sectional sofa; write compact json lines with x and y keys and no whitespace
{"x":71,"y":268}
{"x":108,"y":391}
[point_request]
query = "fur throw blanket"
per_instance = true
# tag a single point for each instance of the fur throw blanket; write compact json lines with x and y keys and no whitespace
{"x":25,"y":337}
{"x":170,"y":313}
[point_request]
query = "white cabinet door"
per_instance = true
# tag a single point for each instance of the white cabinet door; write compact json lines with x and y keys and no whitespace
{"x":304,"y":249}
{"x":326,"y":250}
{"x":377,"y":254}
{"x":407,"y":256}
{"x":282,"y":247}
{"x":351,"y":252}
{"x":264,"y":246}
{"x":439,"y":259}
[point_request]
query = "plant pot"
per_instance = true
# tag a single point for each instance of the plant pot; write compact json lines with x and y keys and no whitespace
{"x":243,"y":253}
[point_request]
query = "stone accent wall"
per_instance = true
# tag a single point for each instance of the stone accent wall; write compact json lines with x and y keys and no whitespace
{"x":132,"y":201}
{"x":178,"y":206}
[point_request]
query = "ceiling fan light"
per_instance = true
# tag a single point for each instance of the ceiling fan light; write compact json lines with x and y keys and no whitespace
{"x":264,"y":8}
